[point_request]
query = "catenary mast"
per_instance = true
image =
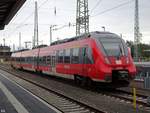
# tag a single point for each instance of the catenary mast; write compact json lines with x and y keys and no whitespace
{"x":35,"y":38}
{"x":136,"y":31}
{"x":82,"y":17}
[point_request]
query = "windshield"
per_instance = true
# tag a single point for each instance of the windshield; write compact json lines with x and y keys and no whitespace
{"x":113,"y":46}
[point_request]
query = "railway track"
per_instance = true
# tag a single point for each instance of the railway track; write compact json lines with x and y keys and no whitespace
{"x":118,"y":94}
{"x":61,"y":102}
{"x":141,"y":100}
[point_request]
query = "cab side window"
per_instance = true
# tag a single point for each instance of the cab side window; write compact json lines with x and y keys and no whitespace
{"x":87,"y":57}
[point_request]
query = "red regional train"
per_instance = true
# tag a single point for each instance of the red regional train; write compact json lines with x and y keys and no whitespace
{"x":102,"y":57}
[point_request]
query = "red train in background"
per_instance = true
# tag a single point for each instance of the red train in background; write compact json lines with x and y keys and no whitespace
{"x":101,"y":57}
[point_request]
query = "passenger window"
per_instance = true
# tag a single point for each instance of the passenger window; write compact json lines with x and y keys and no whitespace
{"x":48,"y":60}
{"x":44,"y":60}
{"x":67,"y":56}
{"x":40,"y":59}
{"x":54,"y":59}
{"x":75,"y":56}
{"x":35,"y":59}
{"x":60,"y":56}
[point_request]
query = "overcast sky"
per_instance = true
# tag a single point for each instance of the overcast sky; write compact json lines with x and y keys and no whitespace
{"x":102,"y":13}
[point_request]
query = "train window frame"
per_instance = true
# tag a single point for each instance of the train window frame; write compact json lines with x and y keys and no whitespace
{"x":44,"y":59}
{"x":35,"y":59}
{"x":29,"y":59}
{"x":48,"y":60}
{"x":61,"y":56}
{"x":22,"y":59}
{"x":54,"y":58}
{"x":90,"y":55}
{"x":86,"y":55}
{"x":40,"y":59}
{"x":57,"y":53}
{"x":67,"y":56}
{"x":75,"y":56}
{"x":19,"y":58}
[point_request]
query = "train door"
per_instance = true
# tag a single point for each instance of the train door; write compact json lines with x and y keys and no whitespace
{"x":53,"y":62}
{"x":84,"y":66}
{"x":87,"y":61}
{"x":36,"y":59}
{"x":20,"y":59}
{"x":35,"y":62}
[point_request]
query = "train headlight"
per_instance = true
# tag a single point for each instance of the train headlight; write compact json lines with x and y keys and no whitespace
{"x":107,"y":60}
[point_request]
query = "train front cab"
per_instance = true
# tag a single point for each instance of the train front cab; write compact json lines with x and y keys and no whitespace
{"x":114,"y":64}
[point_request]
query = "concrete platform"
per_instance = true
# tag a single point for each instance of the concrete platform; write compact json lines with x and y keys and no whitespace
{"x":15,"y":99}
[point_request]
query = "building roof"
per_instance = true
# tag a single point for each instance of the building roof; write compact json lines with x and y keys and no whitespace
{"x":8,"y":9}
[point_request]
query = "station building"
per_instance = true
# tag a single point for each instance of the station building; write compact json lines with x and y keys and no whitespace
{"x":4,"y":53}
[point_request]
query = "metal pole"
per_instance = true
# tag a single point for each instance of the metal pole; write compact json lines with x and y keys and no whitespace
{"x":13,"y":47}
{"x":20,"y":41}
{"x":136,"y":31}
{"x":33,"y":41}
{"x":4,"y":41}
{"x":134,"y":98}
{"x":50,"y":34}
{"x":36,"y":40}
